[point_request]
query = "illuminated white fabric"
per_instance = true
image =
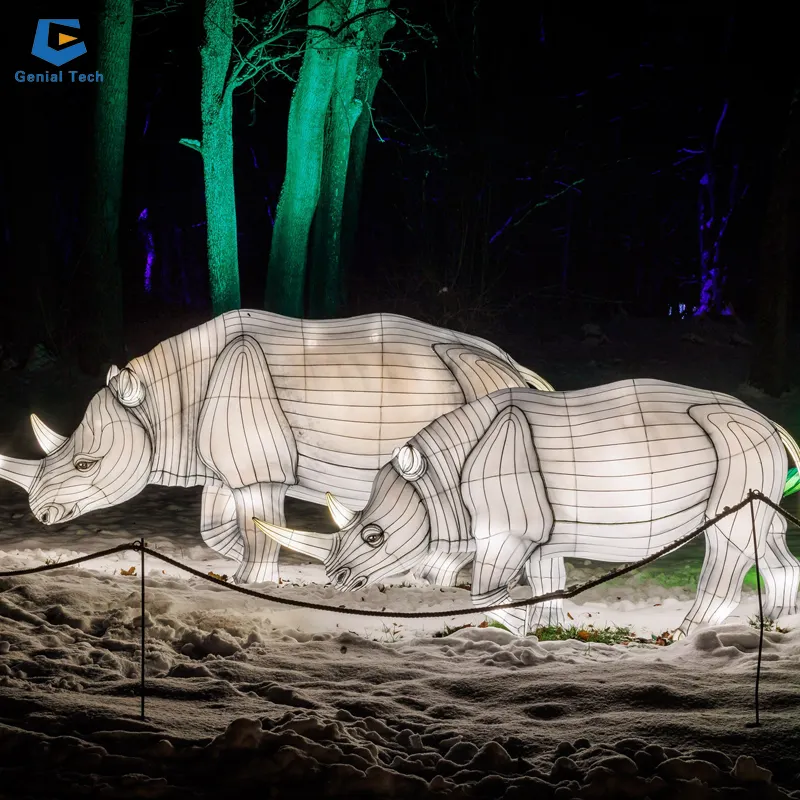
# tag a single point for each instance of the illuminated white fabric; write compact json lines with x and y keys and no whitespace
{"x":252,"y":406}
{"x":522,"y":479}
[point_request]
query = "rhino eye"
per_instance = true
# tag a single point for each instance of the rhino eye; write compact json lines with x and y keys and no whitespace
{"x":84,"y":464}
{"x":372,"y":535}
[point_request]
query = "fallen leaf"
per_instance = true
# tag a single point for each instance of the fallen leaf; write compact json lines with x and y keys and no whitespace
{"x":483,"y":624}
{"x":131,"y":571}
{"x":570,"y":615}
{"x":655,"y":605}
{"x":223,"y":578}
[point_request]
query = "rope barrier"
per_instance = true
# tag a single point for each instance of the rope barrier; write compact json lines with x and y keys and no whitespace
{"x":141,"y":547}
{"x":567,"y":593}
{"x":120,"y":548}
{"x":561,"y":594}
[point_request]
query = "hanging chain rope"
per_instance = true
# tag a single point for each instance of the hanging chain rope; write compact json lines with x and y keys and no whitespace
{"x":561,"y":594}
{"x":120,"y":548}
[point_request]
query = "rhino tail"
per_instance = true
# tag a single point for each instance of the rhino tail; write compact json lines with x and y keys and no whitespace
{"x":793,"y":449}
{"x":533,"y":379}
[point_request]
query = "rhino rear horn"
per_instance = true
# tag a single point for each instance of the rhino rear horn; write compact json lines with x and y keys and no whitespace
{"x":126,"y":386}
{"x":48,"y":439}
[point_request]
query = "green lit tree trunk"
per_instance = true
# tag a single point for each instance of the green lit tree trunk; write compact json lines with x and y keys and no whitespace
{"x":357,"y":75}
{"x":369,"y":73}
{"x":102,"y":335}
{"x":297,"y":204}
{"x":216,"y":149}
{"x":325,"y":293}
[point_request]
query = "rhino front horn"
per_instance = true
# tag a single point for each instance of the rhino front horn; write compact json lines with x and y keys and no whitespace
{"x":48,"y":439}
{"x":20,"y":471}
{"x":342,"y":515}
{"x":314,"y":545}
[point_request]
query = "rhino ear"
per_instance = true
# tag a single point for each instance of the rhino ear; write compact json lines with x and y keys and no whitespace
{"x":409,"y":462}
{"x":126,"y":386}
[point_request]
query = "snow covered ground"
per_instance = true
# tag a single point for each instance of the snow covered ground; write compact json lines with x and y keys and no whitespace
{"x":251,"y":698}
{"x":244,"y":695}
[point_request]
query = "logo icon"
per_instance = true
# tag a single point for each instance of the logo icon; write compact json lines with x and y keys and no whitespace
{"x":67,"y":46}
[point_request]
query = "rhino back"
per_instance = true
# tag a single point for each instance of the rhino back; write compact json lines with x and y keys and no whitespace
{"x":351,"y":389}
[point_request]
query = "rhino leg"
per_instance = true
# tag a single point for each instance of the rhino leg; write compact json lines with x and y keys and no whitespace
{"x":260,"y":553}
{"x":442,"y":569}
{"x":498,"y":565}
{"x":719,"y":588}
{"x":544,"y":576}
{"x":758,"y":464}
{"x":219,"y":524}
{"x":780,"y":571}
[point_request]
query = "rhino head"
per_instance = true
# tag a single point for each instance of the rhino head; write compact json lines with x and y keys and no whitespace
{"x":389,"y":537}
{"x":106,"y":461}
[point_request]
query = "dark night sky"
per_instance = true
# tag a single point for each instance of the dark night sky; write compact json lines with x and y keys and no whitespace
{"x":512,"y":103}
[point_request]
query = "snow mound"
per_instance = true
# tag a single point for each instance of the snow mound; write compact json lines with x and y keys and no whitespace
{"x":250,"y":697}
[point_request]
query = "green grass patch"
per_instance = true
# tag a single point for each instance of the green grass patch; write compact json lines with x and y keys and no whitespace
{"x":609,"y":635}
{"x":767,"y":625}
{"x":792,"y":482}
{"x":681,"y":575}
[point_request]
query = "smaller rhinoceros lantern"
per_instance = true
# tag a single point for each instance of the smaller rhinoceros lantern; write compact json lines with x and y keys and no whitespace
{"x":520,"y":479}
{"x":254,"y":406}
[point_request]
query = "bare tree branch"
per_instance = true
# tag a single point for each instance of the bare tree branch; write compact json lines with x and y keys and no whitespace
{"x":269,"y":52}
{"x":334,"y":32}
{"x":156,"y":8}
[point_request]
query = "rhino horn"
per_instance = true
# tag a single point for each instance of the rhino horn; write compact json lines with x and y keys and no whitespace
{"x":20,"y":471}
{"x":342,"y":515}
{"x":314,"y":545}
{"x":48,"y":439}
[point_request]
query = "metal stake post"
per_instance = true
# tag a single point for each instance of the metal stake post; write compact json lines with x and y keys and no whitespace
{"x":753,"y":496}
{"x":142,"y":543}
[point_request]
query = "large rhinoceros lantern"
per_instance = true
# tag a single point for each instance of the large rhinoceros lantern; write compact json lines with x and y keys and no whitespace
{"x":520,"y":479}
{"x":252,"y":406}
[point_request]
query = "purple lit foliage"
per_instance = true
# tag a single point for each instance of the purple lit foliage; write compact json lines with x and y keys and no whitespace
{"x":150,"y":249}
{"x":713,"y":224}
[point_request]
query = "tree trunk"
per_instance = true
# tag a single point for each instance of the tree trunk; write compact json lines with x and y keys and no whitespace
{"x":102,"y":341}
{"x":325,"y":293}
{"x":368,"y":74}
{"x":216,"y":108}
{"x":778,"y":251}
{"x":301,"y":186}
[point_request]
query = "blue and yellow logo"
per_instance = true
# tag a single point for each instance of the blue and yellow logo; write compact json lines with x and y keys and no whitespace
{"x":57,"y":42}
{"x":55,"y":46}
